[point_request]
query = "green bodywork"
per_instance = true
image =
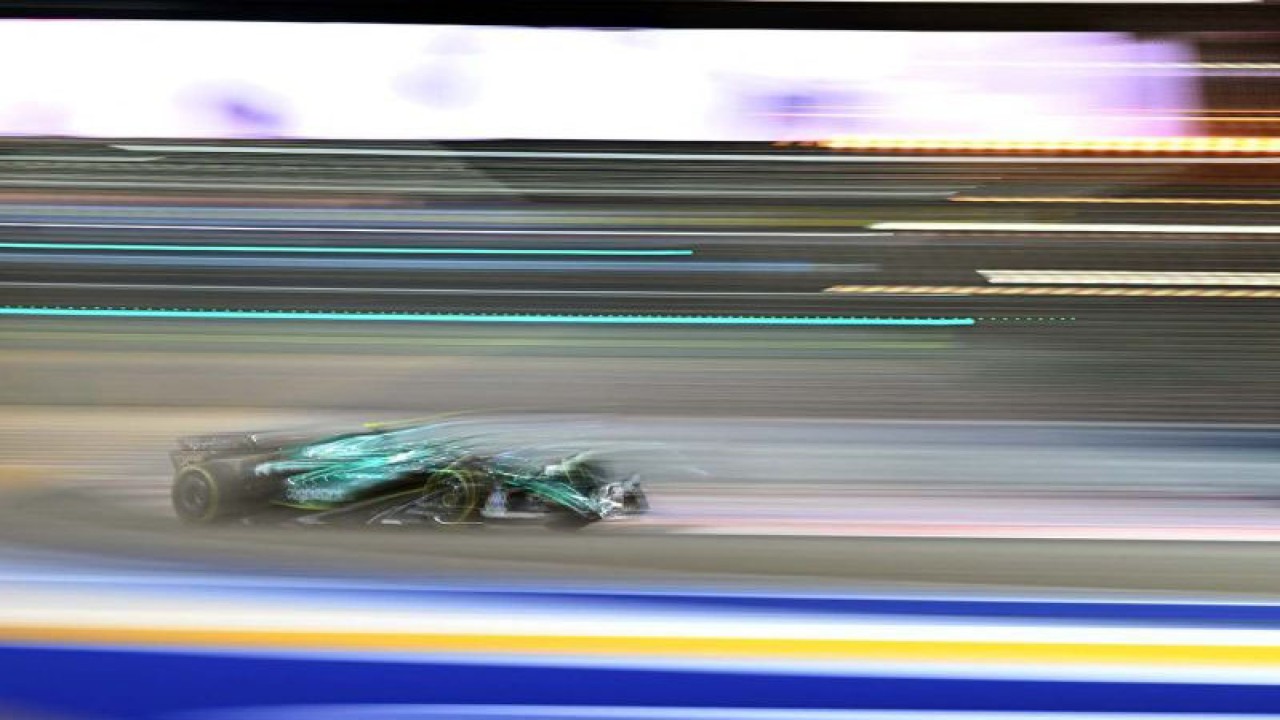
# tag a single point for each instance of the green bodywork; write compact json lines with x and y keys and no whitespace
{"x":347,"y":468}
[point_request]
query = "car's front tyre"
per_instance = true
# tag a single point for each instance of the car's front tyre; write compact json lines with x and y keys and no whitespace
{"x":452,"y":497}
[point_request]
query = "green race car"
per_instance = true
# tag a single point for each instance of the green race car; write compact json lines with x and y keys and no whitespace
{"x":416,"y":474}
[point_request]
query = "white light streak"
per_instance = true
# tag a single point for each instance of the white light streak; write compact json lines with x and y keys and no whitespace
{"x":1130,"y":277}
{"x":1076,"y":228}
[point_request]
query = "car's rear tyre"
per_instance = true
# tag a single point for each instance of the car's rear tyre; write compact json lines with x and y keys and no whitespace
{"x":207,"y":493}
{"x":452,"y":497}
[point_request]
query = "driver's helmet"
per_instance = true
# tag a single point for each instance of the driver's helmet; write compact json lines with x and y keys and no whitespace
{"x":582,"y":470}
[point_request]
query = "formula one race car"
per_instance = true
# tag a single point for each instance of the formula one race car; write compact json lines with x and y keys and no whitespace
{"x":393,"y":475}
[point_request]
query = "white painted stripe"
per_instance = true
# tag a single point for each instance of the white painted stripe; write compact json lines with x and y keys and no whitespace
{"x":180,"y":610}
{"x":1129,"y":277}
{"x":692,"y":157}
{"x":168,"y":581}
{"x":440,"y":231}
{"x":1076,"y":228}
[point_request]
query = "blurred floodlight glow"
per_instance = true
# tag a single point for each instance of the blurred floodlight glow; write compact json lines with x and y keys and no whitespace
{"x":224,"y":80}
{"x":1134,"y":145}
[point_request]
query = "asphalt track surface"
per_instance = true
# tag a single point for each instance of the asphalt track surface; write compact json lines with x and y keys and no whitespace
{"x":108,"y":499}
{"x":91,"y":404}
{"x":80,"y":523}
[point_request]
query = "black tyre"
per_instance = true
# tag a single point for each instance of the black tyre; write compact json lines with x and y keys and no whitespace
{"x":635,"y":502}
{"x":207,"y":493}
{"x":452,"y":497}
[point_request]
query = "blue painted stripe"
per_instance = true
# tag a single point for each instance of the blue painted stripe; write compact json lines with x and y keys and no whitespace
{"x":763,"y":321}
{"x":134,"y":684}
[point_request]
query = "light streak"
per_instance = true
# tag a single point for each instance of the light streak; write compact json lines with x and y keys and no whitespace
{"x":763,"y":157}
{"x":1111,"y":201}
{"x":321,"y":249}
{"x":1077,"y":228}
{"x":1130,"y":277}
{"x":1138,"y":145}
{"x":760,"y":321}
{"x":531,"y":232}
{"x":363,"y":290}
{"x":1032,"y":290}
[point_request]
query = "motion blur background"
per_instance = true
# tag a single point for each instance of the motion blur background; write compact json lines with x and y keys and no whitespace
{"x":948,"y":313}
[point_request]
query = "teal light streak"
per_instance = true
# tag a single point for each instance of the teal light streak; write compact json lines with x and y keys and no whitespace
{"x":592,"y":252}
{"x":480,"y":318}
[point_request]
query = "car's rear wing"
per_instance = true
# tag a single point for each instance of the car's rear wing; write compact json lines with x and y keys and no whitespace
{"x":199,"y":448}
{"x":253,"y":441}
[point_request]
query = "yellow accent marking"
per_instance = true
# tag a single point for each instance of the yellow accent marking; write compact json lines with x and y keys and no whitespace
{"x":704,"y":647}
